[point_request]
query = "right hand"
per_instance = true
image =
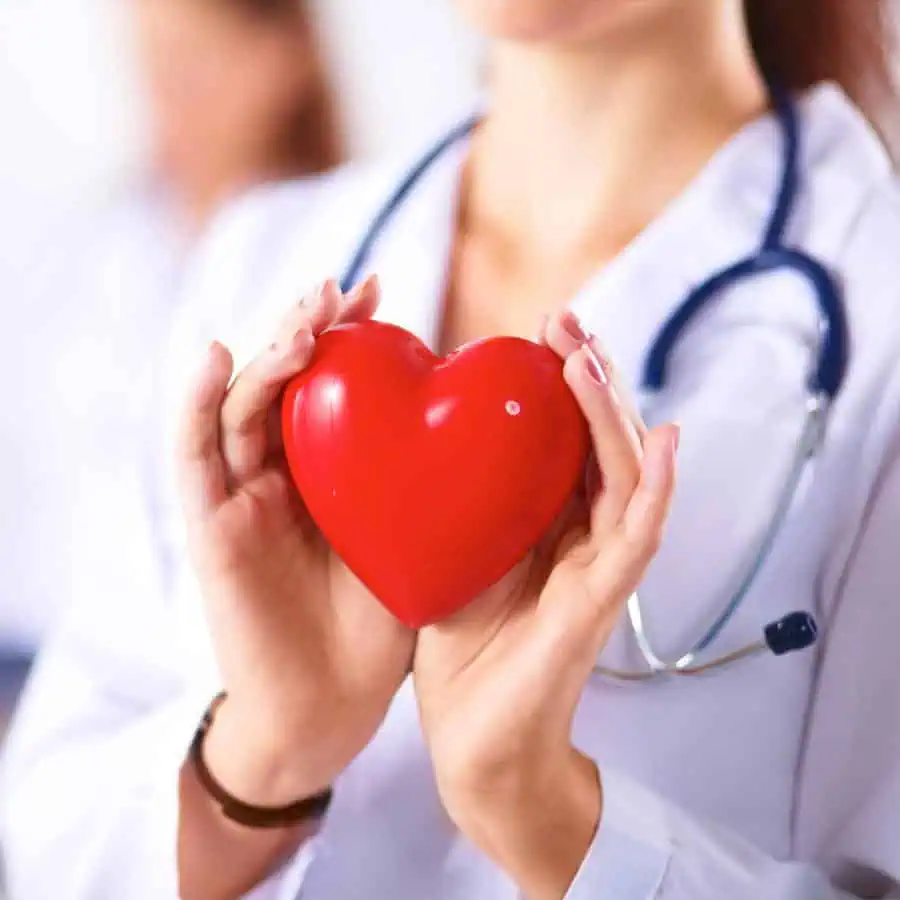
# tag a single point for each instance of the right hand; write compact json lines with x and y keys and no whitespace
{"x":310,"y":660}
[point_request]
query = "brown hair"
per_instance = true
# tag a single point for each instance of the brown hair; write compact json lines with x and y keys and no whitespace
{"x":312,"y":141}
{"x":799,"y":43}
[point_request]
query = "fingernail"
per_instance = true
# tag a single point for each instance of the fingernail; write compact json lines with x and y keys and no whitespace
{"x":211,"y":362}
{"x":676,"y":436}
{"x":594,"y":368}
{"x":368,"y":284}
{"x":600,"y":356}
{"x":572,"y":327}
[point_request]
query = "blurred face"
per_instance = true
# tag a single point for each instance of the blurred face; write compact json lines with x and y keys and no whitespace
{"x":221,"y":88}
{"x":563,"y":21}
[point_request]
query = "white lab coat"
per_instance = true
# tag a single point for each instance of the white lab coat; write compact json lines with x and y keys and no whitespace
{"x":83,"y":322}
{"x":775,"y":779}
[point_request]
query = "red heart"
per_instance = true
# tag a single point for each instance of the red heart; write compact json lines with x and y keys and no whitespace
{"x":431,"y":477}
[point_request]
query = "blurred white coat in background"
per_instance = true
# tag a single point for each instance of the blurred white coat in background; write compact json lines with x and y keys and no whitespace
{"x":89,"y":285}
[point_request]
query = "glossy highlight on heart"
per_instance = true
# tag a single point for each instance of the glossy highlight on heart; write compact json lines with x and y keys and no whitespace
{"x":432,"y":477}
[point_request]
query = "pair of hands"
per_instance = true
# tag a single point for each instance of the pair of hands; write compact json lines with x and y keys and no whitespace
{"x":312,"y":661}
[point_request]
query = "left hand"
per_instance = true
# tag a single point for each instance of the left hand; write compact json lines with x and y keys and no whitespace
{"x":499,"y":684}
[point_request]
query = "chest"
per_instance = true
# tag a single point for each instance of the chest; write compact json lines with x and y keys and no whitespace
{"x":738,"y":389}
{"x":489,"y":293}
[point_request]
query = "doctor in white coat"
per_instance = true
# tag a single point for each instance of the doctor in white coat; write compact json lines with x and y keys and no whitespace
{"x":628,"y":152}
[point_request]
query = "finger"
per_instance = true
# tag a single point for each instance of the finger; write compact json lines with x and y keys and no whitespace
{"x":359,"y":305}
{"x":200,"y":467}
{"x":246,"y":411}
{"x":572,"y":526}
{"x":362,"y":302}
{"x":617,"y":452}
{"x":649,"y":508}
{"x":620,"y":388}
{"x":620,"y":565}
{"x":589,"y":586}
{"x":317,"y":310}
{"x":320,"y":309}
{"x":564,"y":334}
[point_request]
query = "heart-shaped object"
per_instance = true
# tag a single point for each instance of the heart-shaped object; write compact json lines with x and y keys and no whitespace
{"x":432,"y":477}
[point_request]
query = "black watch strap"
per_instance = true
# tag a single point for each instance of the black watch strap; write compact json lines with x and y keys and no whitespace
{"x":299,"y":813}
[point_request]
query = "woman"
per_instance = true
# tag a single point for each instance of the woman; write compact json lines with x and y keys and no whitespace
{"x":237,"y":96}
{"x":626,"y":155}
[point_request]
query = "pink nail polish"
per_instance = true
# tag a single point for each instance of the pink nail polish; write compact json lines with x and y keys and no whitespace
{"x":573,"y":328}
{"x":597,"y":351}
{"x":595,"y":370}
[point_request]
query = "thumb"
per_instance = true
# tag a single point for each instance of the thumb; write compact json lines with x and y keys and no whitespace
{"x":200,"y":466}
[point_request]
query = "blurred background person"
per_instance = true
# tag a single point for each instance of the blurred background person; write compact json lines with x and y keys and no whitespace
{"x":236,"y":94}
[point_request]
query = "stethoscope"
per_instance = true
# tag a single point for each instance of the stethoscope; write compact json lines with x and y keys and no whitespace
{"x":798,"y":630}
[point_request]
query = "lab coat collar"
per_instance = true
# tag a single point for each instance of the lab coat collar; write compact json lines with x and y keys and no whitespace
{"x":717,"y":219}
{"x":721,"y":217}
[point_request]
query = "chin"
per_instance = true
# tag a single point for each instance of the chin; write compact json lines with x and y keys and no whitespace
{"x":555,"y":20}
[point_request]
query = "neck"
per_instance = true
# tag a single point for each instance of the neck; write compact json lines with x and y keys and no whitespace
{"x":584,"y":146}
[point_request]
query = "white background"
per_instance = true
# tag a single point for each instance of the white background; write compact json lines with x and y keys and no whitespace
{"x":72,"y":125}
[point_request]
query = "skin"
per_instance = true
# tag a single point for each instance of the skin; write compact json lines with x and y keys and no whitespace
{"x":220,"y":88}
{"x":587,"y":142}
{"x":314,"y":668}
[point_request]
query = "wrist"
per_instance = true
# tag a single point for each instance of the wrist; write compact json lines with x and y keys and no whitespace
{"x":263,"y":764}
{"x":542,"y":832}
